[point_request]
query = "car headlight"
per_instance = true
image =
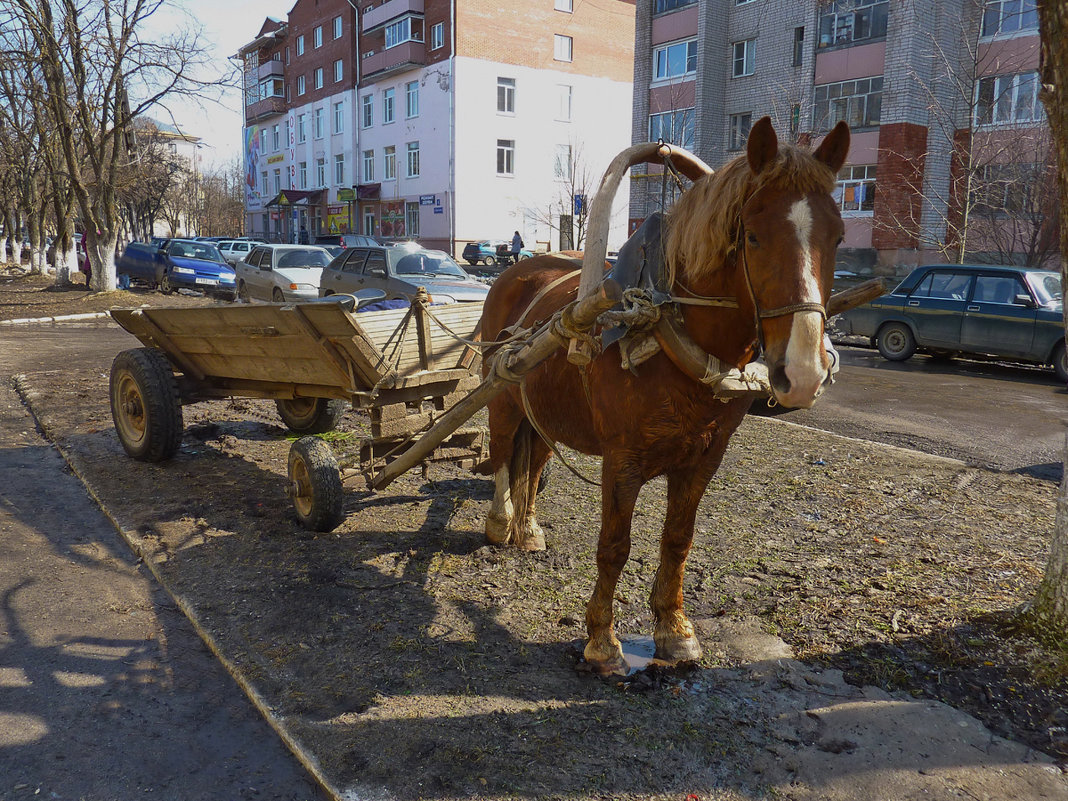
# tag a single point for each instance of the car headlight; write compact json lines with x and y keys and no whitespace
{"x":226,"y":279}
{"x":183,"y":270}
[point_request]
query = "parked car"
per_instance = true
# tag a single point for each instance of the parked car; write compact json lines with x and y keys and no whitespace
{"x":400,"y":271}
{"x":347,"y":240}
{"x":79,"y":246}
{"x":281,"y":273}
{"x":233,"y":250}
{"x":491,"y":252}
{"x":1012,"y":313}
{"x":178,"y":263}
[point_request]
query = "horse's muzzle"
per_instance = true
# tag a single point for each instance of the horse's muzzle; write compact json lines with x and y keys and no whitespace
{"x":799,"y":388}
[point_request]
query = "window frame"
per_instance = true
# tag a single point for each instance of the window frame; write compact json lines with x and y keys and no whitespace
{"x":564,"y":114}
{"x":300,"y":45}
{"x":437,"y":35}
{"x":367,"y":111}
{"x":368,"y":158}
{"x":317,"y":78}
{"x":388,"y":106}
{"x":559,"y":42}
{"x":302,"y":174}
{"x":505,"y":95}
{"x":301,"y":87}
{"x":738,"y":127}
{"x":566,"y":6}
{"x":1027,"y":8}
{"x":338,"y":27}
{"x":866,"y":177}
{"x":411,"y":100}
{"x":411,"y":218}
{"x":687,"y":119}
{"x":998,"y":94}
{"x":824,"y":120}
{"x":302,"y":128}
{"x":320,"y":172}
{"x":318,"y":128}
{"x":339,"y":169}
{"x":317,"y":37}
{"x":389,"y":163}
{"x":339,"y":70}
{"x":662,"y":53}
{"x":836,"y":22}
{"x":412,"y":165}
{"x":339,"y":117}
{"x":667,"y":6}
{"x":747,"y":60}
{"x":506,"y":158}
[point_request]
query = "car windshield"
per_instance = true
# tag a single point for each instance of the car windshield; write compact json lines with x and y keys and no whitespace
{"x":205,"y":251}
{"x":1047,"y":286}
{"x":429,"y":262}
{"x":308,"y":257}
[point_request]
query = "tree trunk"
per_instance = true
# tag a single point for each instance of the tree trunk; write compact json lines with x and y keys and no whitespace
{"x":1049,"y":609}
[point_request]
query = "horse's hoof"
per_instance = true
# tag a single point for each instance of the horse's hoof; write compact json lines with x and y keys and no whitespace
{"x":532,"y":539}
{"x":497,"y":529}
{"x":603,"y":661}
{"x":678,"y":649}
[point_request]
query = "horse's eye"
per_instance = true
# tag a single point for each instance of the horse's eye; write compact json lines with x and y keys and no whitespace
{"x":751,"y":239}
{"x":841,"y":239}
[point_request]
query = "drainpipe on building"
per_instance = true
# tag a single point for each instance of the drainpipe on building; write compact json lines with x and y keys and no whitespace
{"x":450,"y":190}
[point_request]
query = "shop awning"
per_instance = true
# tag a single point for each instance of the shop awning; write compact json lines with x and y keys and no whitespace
{"x":368,"y":191}
{"x":296,"y":197}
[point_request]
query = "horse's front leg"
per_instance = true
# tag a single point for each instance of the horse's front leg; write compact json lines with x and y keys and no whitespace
{"x":673,"y":631}
{"x":620,"y":485}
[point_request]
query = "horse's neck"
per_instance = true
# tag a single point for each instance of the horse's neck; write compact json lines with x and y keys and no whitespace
{"x":727,"y":333}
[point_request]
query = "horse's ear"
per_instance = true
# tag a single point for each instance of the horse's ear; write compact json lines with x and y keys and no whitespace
{"x":762,"y":146}
{"x":835,"y":147}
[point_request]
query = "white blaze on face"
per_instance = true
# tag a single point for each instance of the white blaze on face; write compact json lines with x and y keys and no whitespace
{"x":804,"y":353}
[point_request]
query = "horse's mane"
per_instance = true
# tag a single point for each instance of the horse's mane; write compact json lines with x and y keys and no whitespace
{"x":702,"y":227}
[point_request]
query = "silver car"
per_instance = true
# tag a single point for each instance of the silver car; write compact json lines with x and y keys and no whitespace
{"x":281,"y":273}
{"x":235,"y":250}
{"x":399,"y":272}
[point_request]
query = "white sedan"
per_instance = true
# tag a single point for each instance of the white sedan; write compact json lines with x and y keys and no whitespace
{"x":281,"y":273}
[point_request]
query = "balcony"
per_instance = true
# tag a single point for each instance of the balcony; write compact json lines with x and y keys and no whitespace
{"x":380,"y":15}
{"x":271,"y":69}
{"x":267,"y":107}
{"x":402,"y":57}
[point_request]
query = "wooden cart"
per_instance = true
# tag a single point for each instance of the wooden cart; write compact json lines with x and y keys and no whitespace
{"x":404,"y":367}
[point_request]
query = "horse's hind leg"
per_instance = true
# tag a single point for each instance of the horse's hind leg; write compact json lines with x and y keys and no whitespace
{"x":504,"y":419}
{"x":529,"y":454}
{"x":673,"y":632}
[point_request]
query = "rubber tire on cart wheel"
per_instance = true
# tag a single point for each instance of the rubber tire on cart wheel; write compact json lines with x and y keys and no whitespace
{"x":896,"y":342}
{"x":165,"y":285}
{"x":277,"y":296}
{"x":315,"y":484}
{"x":145,"y":405}
{"x":1060,"y":363}
{"x":311,"y":415}
{"x":489,"y":261}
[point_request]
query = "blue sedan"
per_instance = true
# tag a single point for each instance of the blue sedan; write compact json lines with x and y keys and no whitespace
{"x":1012,"y":313}
{"x":178,"y":263}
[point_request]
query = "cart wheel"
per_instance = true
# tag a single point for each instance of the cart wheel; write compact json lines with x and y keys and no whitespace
{"x":311,"y":415}
{"x":146,"y":405}
{"x":315,"y":484}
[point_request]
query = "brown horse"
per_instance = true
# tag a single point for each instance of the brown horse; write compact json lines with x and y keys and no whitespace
{"x":764,"y":230}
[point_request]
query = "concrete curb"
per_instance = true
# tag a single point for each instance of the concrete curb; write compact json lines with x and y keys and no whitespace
{"x":63,"y":318}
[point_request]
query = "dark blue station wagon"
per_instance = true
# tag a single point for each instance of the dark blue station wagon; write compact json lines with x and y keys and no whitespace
{"x":1012,"y":313}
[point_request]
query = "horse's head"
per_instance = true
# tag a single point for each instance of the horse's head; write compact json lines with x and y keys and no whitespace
{"x":790,"y":228}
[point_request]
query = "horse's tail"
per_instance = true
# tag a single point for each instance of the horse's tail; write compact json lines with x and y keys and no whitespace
{"x":519,"y":469}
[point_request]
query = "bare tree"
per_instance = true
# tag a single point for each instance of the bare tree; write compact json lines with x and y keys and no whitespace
{"x":1049,"y":609}
{"x":154,"y":172}
{"x":568,"y":211}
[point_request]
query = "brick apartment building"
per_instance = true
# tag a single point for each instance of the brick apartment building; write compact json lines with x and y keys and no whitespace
{"x":444,"y":121}
{"x":950,"y":147}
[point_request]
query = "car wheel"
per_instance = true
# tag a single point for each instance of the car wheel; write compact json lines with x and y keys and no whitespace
{"x":1060,"y":362}
{"x":277,"y":296}
{"x":489,"y":261}
{"x":145,"y":405}
{"x":896,"y":342}
{"x":311,"y":415}
{"x":242,"y":291}
{"x":165,"y":285}
{"x":315,"y":484}
{"x":472,"y":262}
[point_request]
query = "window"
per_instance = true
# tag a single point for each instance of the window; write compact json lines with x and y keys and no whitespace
{"x":403,"y":31}
{"x":675,"y":60}
{"x":302,"y":131}
{"x":561,"y":47}
{"x":318,"y":77}
{"x":563,"y":102}
{"x":263,"y":183}
{"x":742,"y":2}
{"x":389,"y":163}
{"x":387,"y":106}
{"x":739,"y":130}
{"x":317,"y":36}
{"x":339,"y":70}
{"x":339,"y":169}
{"x":676,"y":127}
{"x":859,"y":103}
{"x":660,"y":6}
{"x":300,"y":85}
{"x":368,"y":166}
{"x":1006,"y":190}
{"x":263,"y":140}
{"x":564,"y":5}
{"x":339,"y":118}
{"x":413,"y":159}
{"x":320,"y":172}
{"x":1004,"y":99}
{"x":843,"y":22}
{"x":1009,"y":16}
{"x":318,"y":123}
{"x":744,"y":58}
{"x":506,"y":157}
{"x":337,"y":27}
{"x":367,"y":111}
{"x":799,"y":46}
{"x":303,"y":173}
{"x":855,"y":190}
{"x":277,"y":181}
{"x":437,"y":36}
{"x":369,"y":222}
{"x":300,"y":45}
{"x":506,"y":95}
{"x":276,"y":137}
{"x":288,"y":135}
{"x":562,"y":162}
{"x":411,"y":219}
{"x":411,"y":99}
{"x":946,"y":285}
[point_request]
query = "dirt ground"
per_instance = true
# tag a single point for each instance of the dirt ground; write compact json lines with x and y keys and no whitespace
{"x":408,"y":655}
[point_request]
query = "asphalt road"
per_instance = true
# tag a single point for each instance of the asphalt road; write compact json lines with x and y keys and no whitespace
{"x":994,"y":415}
{"x":106,"y":692}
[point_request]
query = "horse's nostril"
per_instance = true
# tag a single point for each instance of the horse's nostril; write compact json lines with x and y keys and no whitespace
{"x":779,"y":380}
